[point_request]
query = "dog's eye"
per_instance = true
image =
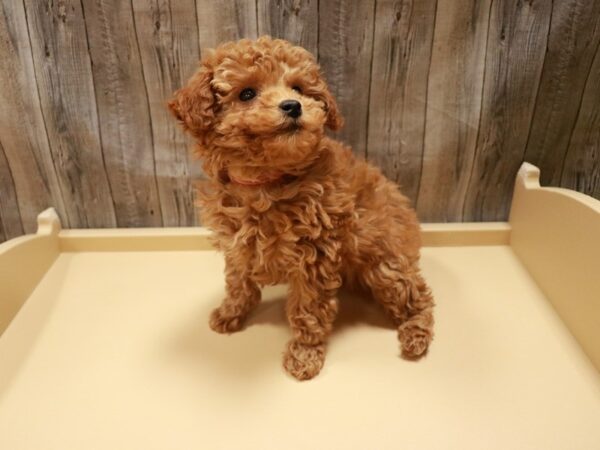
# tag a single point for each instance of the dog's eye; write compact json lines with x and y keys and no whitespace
{"x":247,"y":94}
{"x":297,"y":88}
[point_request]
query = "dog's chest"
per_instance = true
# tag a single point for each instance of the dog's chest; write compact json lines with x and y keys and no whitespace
{"x":277,"y":242}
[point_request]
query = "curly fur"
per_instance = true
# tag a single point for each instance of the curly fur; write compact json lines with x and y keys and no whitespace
{"x":309,"y":214}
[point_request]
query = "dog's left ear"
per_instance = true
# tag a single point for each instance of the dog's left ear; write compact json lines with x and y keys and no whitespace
{"x":194,"y":104}
{"x":335,"y":121}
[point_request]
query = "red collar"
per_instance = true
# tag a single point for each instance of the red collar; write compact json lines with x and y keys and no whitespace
{"x":254,"y":183}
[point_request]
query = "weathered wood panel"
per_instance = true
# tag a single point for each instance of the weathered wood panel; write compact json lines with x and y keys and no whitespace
{"x":447,"y":97}
{"x":122,"y":101}
{"x":22,"y":129}
{"x":68,"y":104}
{"x":225,"y":20}
{"x":453,"y":107}
{"x":294,"y":20}
{"x":401,"y":58}
{"x":168,"y":36}
{"x":10,"y":216}
{"x":514,"y":59}
{"x":574,"y":37}
{"x":582,"y":164}
{"x":345,"y":54}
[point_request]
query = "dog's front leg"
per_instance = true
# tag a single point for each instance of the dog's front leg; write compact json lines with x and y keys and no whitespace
{"x":311,"y":309}
{"x":243,"y":295}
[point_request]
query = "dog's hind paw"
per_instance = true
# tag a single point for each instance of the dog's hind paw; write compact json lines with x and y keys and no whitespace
{"x":225,"y":324}
{"x":304,"y":361}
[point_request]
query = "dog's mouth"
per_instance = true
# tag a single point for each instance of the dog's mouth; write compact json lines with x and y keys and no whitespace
{"x":291,"y":126}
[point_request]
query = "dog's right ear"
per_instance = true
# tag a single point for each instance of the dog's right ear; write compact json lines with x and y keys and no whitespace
{"x":194,"y":104}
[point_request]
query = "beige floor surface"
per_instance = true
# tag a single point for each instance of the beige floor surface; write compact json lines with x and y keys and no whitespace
{"x":113,"y":351}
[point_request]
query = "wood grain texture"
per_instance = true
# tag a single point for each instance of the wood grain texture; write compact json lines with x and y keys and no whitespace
{"x":225,"y":20}
{"x":22,"y":129}
{"x":581,"y":170}
{"x":514,"y":58}
{"x":123,"y":112}
{"x":345,"y":54}
{"x":168,"y":37}
{"x":68,"y":104}
{"x":447,"y":97}
{"x":453,"y":108}
{"x":401,"y":59}
{"x":10,"y":216}
{"x":294,"y":20}
{"x":574,"y":37}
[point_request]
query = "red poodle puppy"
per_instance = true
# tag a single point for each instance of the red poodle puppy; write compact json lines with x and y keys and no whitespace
{"x":288,"y":204}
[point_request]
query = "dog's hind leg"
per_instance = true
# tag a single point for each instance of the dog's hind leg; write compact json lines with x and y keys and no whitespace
{"x":399,"y":287}
{"x":243,"y":295}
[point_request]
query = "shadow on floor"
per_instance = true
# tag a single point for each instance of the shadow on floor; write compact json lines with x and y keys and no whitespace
{"x":258,"y":348}
{"x":355,"y":308}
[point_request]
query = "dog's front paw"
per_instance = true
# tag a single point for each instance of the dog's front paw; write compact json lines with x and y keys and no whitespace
{"x":303,"y":361}
{"x":414,"y":340}
{"x":222,"y":323}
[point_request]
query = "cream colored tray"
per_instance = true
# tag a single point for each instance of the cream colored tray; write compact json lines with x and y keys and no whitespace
{"x":105,"y":344}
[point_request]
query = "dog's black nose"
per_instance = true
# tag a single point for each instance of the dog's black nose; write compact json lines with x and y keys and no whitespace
{"x":292,"y":108}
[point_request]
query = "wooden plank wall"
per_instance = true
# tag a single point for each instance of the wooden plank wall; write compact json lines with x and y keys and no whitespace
{"x":448,"y":97}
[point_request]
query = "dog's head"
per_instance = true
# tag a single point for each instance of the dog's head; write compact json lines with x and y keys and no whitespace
{"x":257,"y":107}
